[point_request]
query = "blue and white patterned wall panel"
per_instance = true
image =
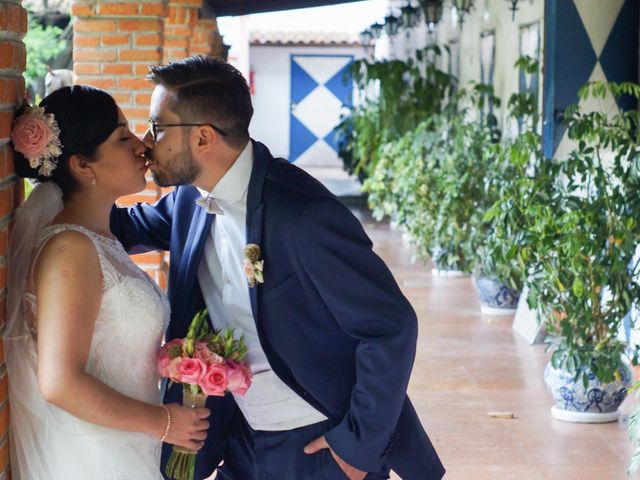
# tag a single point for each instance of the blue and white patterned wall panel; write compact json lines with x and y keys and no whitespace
{"x":320,"y":89}
{"x":585,"y":40}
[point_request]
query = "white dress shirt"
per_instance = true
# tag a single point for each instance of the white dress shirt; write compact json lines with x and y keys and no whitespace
{"x":269,"y":404}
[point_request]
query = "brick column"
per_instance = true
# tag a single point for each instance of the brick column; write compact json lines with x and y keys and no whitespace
{"x":114,"y":45}
{"x":13,"y":26}
{"x":206,"y":39}
{"x":179,"y":25}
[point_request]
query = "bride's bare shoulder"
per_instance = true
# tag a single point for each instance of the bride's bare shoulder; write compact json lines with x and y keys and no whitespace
{"x":68,"y":252}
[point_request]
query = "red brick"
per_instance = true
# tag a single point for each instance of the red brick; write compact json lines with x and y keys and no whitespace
{"x":115,"y":39}
{"x":117,"y":69}
{"x":176,"y":42}
{"x":94,"y":55}
{"x":4,"y":243}
{"x":6,"y":119}
{"x":86,"y":41}
{"x":158,"y":9}
{"x":14,"y":18}
{"x":20,"y":56}
{"x":83,"y":9}
{"x":118,"y":9}
{"x":142,"y":69}
{"x":148,"y":55}
{"x":122,"y":98}
{"x":149,"y":40}
{"x":178,"y":31}
{"x":140,"y":25}
{"x":6,"y":167}
{"x":9,"y":90}
{"x":7,"y":49}
{"x":138,"y":112}
{"x":85,"y":68}
{"x":100,"y":82}
{"x":139,"y":127}
{"x":186,"y":3}
{"x":174,"y":54}
{"x":94,"y":25}
{"x":143,"y":98}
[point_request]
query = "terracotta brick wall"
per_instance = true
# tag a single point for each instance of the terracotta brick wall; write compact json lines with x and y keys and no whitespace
{"x":13,"y":26}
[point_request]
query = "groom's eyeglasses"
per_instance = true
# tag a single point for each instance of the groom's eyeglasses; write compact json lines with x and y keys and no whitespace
{"x":154,"y":128}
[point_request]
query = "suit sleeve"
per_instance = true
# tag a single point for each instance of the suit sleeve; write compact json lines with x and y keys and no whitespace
{"x":366,"y":301}
{"x":144,"y":227}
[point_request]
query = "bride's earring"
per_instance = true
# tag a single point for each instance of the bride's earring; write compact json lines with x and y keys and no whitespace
{"x":93,"y":182}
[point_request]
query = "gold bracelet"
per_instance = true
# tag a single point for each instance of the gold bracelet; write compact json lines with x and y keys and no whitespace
{"x":166,"y":429}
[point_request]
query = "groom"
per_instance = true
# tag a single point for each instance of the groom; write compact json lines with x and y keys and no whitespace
{"x":331,"y":337}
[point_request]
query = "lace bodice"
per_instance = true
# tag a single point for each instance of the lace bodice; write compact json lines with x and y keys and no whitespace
{"x":132,"y":318}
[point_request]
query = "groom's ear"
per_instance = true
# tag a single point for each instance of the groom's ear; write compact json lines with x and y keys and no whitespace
{"x":207,"y":138}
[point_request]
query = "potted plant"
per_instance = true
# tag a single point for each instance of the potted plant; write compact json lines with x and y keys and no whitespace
{"x":501,"y":233}
{"x":585,"y":210}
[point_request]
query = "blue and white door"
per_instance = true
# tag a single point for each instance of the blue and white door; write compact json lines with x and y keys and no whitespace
{"x":320,"y":88}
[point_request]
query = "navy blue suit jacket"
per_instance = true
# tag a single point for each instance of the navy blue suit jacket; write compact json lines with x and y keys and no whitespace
{"x":330,"y":317}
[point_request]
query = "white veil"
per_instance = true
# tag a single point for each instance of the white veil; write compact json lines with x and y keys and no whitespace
{"x":44,"y":203}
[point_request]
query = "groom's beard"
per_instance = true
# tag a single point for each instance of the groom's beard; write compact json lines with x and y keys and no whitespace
{"x":180,"y":169}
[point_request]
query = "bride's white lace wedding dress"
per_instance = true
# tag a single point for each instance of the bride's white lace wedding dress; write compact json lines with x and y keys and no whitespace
{"x":49,"y":443}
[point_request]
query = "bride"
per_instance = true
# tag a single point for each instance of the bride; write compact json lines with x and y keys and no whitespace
{"x":84,"y":322}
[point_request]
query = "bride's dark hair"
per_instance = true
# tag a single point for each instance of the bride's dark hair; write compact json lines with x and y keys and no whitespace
{"x":86,"y":117}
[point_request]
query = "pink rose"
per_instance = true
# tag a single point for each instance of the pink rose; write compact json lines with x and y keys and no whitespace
{"x":206,"y":355}
{"x":31,"y":135}
{"x":172,"y":369}
{"x":214,"y":381}
{"x":191,"y":370}
{"x":239,"y":377}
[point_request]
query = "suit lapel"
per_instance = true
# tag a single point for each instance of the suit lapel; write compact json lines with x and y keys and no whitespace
{"x":255,"y":208}
{"x":254,"y":235}
{"x":200,"y":226}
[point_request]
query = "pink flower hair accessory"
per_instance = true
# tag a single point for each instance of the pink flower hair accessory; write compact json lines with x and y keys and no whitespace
{"x":36,"y":135}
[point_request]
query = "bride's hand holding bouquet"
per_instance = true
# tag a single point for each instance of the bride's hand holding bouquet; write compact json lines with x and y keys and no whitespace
{"x":206,"y":363}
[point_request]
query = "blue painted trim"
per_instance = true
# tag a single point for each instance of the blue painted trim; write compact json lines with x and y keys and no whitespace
{"x":548,"y":89}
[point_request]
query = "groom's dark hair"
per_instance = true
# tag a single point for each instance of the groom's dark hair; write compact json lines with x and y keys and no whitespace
{"x":208,"y":90}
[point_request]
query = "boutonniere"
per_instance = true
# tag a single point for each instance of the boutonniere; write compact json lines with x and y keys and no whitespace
{"x":253,"y":265}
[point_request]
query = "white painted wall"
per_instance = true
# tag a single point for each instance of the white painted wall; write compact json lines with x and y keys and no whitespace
{"x":271,"y":67}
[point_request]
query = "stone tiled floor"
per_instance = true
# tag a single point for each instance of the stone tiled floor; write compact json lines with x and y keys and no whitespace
{"x":468,"y":365}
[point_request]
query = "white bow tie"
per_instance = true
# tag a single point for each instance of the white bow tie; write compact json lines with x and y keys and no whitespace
{"x":210,"y":205}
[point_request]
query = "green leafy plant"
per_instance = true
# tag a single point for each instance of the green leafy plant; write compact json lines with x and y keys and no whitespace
{"x":515,"y":171}
{"x":43,"y":45}
{"x":430,"y":180}
{"x":586,"y":208}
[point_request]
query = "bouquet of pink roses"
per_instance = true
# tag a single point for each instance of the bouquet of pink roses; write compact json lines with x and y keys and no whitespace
{"x":206,"y":363}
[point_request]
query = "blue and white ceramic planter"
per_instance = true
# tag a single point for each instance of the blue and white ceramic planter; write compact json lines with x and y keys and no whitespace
{"x":496,"y":298}
{"x":597,"y":403}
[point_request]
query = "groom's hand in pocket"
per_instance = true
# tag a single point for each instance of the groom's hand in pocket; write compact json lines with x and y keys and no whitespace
{"x":188,"y":426}
{"x":321,"y":443}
